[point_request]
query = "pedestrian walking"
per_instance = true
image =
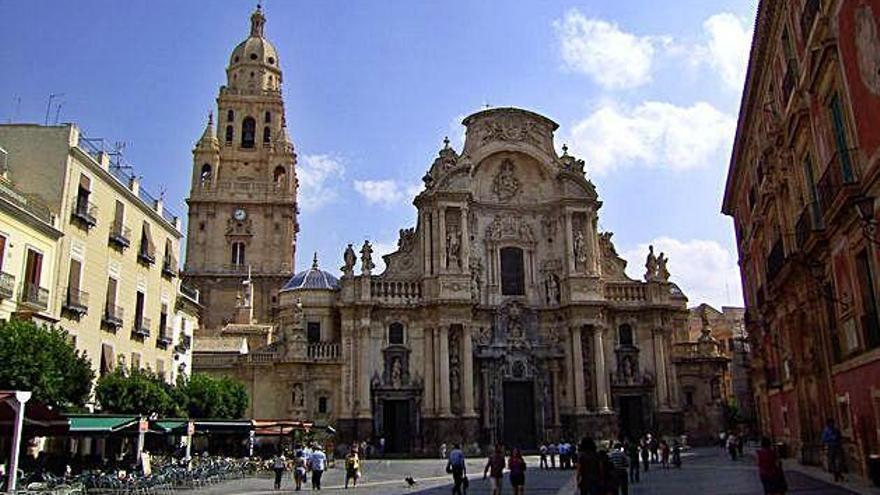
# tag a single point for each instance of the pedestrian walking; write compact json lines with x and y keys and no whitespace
{"x":495,"y":469}
{"x":654,"y":446}
{"x":770,"y":469}
{"x":676,"y":454}
{"x":456,"y":466}
{"x":382,"y":446}
{"x":740,"y":443}
{"x":279,"y":465}
{"x":643,"y":448}
{"x":588,"y":468}
{"x":352,"y":467}
{"x":542,"y":451}
{"x":731,"y":446}
{"x":620,"y":460}
{"x":299,"y":469}
{"x":517,"y":466}
{"x":664,"y":454}
{"x":833,"y":440}
{"x":317,"y":465}
{"x":632,"y":452}
{"x":553,"y":450}
{"x":443,"y":453}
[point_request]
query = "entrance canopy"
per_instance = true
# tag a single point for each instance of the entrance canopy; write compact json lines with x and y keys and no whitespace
{"x":223,"y":426}
{"x":94,"y":423}
{"x":269,"y":427}
{"x":39,"y":419}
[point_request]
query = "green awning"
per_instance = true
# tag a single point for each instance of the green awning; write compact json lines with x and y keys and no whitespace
{"x":169,"y":425}
{"x":101,"y":424}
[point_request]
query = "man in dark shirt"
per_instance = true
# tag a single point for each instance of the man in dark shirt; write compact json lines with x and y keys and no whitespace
{"x":495,"y":469}
{"x":588,"y":468}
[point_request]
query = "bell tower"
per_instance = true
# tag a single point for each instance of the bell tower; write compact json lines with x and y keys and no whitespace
{"x":242,"y":205}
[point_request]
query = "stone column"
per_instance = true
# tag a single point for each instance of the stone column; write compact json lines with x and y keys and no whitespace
{"x":569,"y":371}
{"x":487,"y":408}
{"x":465,"y":241}
{"x":365,"y":408}
{"x":569,"y":243}
{"x":429,"y":371}
{"x":442,"y":240}
{"x":426,"y":241}
{"x":660,"y":364}
{"x":555,"y":394}
{"x":578,"y":370}
{"x":467,"y":372}
{"x":601,"y":375}
{"x":444,"y":371}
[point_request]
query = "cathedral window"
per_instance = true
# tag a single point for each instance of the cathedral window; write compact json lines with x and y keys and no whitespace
{"x":230,"y":115}
{"x":238,"y":253}
{"x":512,"y":272}
{"x":313,"y":332}
{"x":207,"y":171}
{"x":229,"y":132}
{"x":268,"y":117}
{"x":625,"y":334}
{"x":271,"y":60}
{"x":395,"y":334}
{"x":322,"y":405}
{"x":248,"y":131}
{"x":267,"y":135}
{"x":279,"y":176}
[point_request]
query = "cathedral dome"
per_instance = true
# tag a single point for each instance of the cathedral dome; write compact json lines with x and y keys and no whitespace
{"x":256,"y":49}
{"x":312,"y":279}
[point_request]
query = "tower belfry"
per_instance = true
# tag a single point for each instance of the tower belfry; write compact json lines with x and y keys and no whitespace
{"x":242,"y":204}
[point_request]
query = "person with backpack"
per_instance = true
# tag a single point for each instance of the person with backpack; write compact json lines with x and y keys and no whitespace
{"x":352,"y":467}
{"x":455,"y":465}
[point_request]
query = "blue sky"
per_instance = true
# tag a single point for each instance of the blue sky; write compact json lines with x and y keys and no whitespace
{"x":646,"y":91}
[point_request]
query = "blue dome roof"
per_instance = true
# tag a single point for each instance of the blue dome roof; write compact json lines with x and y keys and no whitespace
{"x":312,"y":279}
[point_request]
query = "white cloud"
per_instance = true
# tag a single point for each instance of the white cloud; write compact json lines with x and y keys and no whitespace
{"x":705,"y":271}
{"x":381,"y":249}
{"x":386,"y":192}
{"x":317,"y":175}
{"x":653,"y":134}
{"x":614,"y":58}
{"x":727,"y":48}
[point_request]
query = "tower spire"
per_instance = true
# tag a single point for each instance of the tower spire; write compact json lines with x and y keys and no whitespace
{"x":257,"y":22}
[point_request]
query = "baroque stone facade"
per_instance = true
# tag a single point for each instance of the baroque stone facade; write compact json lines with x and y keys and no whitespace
{"x":503,"y":315}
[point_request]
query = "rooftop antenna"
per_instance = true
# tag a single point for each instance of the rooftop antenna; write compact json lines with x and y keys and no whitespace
{"x":52,"y":97}
{"x":58,"y":111}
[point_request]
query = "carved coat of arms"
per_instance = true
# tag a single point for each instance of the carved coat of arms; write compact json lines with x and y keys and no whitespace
{"x":506,"y":185}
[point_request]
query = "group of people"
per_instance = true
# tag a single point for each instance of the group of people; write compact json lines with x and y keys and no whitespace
{"x":494,"y":470}
{"x":564,"y":449}
{"x":305,"y":461}
{"x":733,"y":442}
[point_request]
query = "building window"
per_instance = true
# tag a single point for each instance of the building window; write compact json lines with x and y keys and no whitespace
{"x":267,"y":135}
{"x":279,"y":176}
{"x":313,"y":332}
{"x":135,"y":361}
{"x":32,"y":272}
{"x":229,"y":134}
{"x":160,"y":369}
{"x":322,"y":405}
{"x":82,"y":196}
{"x":268,"y":117}
{"x":230,"y":116}
{"x":107,"y":359}
{"x":625,"y":334}
{"x":111,"y":311}
{"x":238,"y":253}
{"x":74,"y":275}
{"x":512,"y":272}
{"x":689,"y":398}
{"x":715,"y":386}
{"x":840,"y":139}
{"x":248,"y":132}
{"x":205,"y":176}
{"x":2,"y":250}
{"x":870,"y":325}
{"x":139,"y":310}
{"x":395,"y":334}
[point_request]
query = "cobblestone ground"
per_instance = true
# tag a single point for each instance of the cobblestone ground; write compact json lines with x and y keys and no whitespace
{"x":705,"y":472}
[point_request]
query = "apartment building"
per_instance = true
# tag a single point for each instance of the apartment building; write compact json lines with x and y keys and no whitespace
{"x":115,"y":284}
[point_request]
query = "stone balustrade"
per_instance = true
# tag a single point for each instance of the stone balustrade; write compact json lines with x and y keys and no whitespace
{"x":395,"y":291}
{"x":626,"y":292}
{"x":323,"y":351}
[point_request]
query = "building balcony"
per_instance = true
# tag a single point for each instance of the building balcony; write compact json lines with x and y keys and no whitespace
{"x":113,"y":316}
{"x":628,"y":292}
{"x":76,"y":301}
{"x":7,"y":286}
{"x":85,"y":212}
{"x":35,"y":296}
{"x":184,"y":344}
{"x":142,"y":327}
{"x":809,"y":221}
{"x":395,"y":291}
{"x":166,"y":336}
{"x":169,"y":267}
{"x":838,"y":183}
{"x":323,"y":351}
{"x":120,"y":235}
{"x":808,"y":17}
{"x":146,"y":255}
{"x":775,"y":260}
{"x":189,"y":292}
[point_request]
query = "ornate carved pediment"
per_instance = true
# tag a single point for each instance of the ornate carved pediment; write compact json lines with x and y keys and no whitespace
{"x":505,"y":185}
{"x":510,"y":228}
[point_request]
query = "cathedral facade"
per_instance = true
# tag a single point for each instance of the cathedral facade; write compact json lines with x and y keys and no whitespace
{"x":504,"y":315}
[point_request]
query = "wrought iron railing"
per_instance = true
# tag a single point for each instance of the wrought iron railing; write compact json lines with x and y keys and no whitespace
{"x":839,"y":174}
{"x":85,"y":211}
{"x":113,"y":315}
{"x":120,"y":234}
{"x":147,"y":253}
{"x":809,"y":221}
{"x":169,"y":266}
{"x":166,"y":336}
{"x":35,"y":296}
{"x":76,"y":300}
{"x":7,"y":285}
{"x":142,"y":326}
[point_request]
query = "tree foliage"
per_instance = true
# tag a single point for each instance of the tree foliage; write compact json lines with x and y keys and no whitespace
{"x":210,"y":397}
{"x":137,"y":392}
{"x":44,"y":361}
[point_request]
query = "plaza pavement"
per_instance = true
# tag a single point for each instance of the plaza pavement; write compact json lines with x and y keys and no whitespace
{"x":704,"y":472}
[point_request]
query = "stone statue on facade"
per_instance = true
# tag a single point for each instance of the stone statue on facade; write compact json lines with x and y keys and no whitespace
{"x":453,"y":249}
{"x":552,"y":287}
{"x":506,"y":185}
{"x":580,"y":249}
{"x":350,"y":260}
{"x":298,"y":396}
{"x":662,"y":271}
{"x":367,"y":258}
{"x":651,"y":265}
{"x":396,"y":373}
{"x":476,"y":278}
